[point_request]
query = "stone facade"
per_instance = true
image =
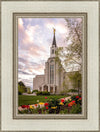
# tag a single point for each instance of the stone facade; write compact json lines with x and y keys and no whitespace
{"x":52,"y":80}
{"x":38,"y":81}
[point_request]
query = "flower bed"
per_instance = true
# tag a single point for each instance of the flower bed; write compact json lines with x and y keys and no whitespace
{"x":54,"y":106}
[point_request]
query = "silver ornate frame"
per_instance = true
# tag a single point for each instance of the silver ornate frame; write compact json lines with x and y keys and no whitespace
{"x":15,"y":66}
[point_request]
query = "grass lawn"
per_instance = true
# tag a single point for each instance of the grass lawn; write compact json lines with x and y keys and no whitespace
{"x":25,"y":99}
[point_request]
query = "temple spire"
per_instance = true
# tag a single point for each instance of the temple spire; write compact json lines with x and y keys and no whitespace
{"x":54,"y":39}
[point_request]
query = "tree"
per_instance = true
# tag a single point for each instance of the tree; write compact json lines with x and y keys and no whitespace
{"x":76,"y":79}
{"x":21,"y":88}
{"x":29,"y":90}
{"x":71,"y":55}
{"x":65,"y":88}
{"x":21,"y":83}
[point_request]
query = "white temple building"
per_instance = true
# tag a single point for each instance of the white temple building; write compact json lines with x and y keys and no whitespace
{"x":53,"y":79}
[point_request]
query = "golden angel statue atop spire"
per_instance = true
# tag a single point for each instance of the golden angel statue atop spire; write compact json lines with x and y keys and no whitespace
{"x":54,"y":30}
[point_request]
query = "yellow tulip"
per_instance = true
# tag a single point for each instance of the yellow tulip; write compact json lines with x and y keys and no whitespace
{"x":53,"y":107}
{"x":31,"y":107}
{"x":41,"y":103}
{"x":61,"y":103}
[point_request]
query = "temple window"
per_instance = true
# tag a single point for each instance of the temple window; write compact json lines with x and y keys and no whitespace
{"x":52,"y":51}
{"x":51,"y":74}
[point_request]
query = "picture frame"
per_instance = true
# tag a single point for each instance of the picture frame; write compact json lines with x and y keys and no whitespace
{"x":16,"y":16}
{"x":12,"y":9}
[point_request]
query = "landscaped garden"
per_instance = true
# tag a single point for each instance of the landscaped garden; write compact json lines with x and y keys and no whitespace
{"x":26,"y":100}
{"x":52,"y":104}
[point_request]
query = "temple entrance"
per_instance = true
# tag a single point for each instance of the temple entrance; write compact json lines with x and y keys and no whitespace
{"x":45,"y":88}
{"x":51,"y":89}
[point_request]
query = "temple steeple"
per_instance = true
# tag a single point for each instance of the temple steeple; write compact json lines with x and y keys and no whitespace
{"x":54,"y":39}
{"x":53,"y":48}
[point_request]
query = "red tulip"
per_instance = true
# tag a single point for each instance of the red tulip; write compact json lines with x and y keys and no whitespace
{"x":27,"y":106}
{"x":69,"y":105}
{"x":77,"y":97}
{"x":73,"y":101}
{"x":80,"y":98}
{"x":46,"y":104}
{"x":45,"y":97}
{"x":36,"y":105}
{"x":62,"y":100}
{"x":23,"y":106}
{"x":46,"y":108}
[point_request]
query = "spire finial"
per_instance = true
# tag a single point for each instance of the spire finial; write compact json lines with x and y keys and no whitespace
{"x":54,"y":39}
{"x":54,"y":30}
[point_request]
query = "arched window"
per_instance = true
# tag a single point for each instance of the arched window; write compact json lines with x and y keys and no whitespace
{"x":51,"y":74}
{"x":51,"y":61}
{"x":52,"y":51}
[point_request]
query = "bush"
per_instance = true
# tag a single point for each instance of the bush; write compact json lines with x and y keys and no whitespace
{"x":64,"y":111}
{"x":76,"y":109}
{"x":43,"y":93}
{"x":73,"y":97}
{"x":54,"y":106}
{"x":21,"y":87}
{"x":72,"y":90}
{"x":20,"y":90}
{"x":53,"y":102}
{"x":63,"y":92}
{"x":76,"y":98}
{"x":19,"y":93}
{"x":29,"y":92}
{"x":34,"y":91}
{"x":39,"y":93}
